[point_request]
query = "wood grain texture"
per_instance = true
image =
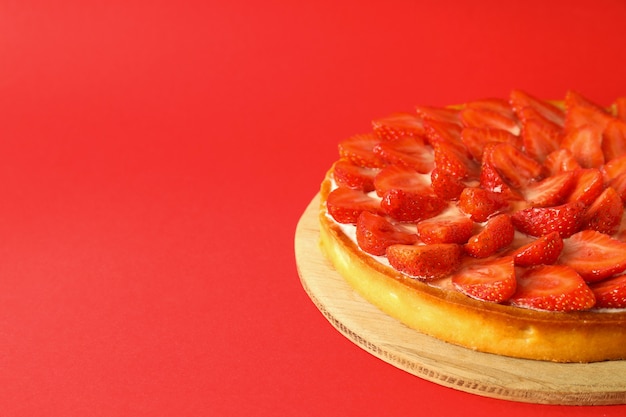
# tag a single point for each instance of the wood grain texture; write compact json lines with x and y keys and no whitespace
{"x":489,"y":375}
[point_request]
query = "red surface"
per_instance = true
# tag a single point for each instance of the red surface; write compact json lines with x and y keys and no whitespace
{"x":156,"y":156}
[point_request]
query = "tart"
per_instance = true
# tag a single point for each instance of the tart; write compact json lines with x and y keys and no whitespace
{"x":497,"y":225}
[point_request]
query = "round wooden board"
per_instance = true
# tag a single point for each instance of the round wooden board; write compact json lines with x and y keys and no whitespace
{"x":489,"y":375}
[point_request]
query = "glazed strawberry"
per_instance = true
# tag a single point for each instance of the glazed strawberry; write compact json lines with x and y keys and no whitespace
{"x":491,"y":180}
{"x":614,"y":139}
{"x":407,"y":151}
{"x":398,"y":125}
{"x":559,"y":161}
{"x":359,"y":150}
{"x":610,"y":293}
{"x":439,"y":114}
{"x":395,"y":177}
{"x":345,"y":204}
{"x":579,"y":116}
{"x":614,"y":168}
{"x":543,"y":250}
{"x":475,"y":139}
{"x":566,"y":219}
{"x":605,"y":213}
{"x":550,"y":191}
{"x":585,"y":144}
{"x":594,"y":255}
{"x":520,"y":100}
{"x":540,"y":137}
{"x":589,"y":183}
{"x":346,"y":174}
{"x":454,"y":228}
{"x":444,"y":132}
{"x":454,"y":160}
{"x":493,"y":104}
{"x":374,"y":234}
{"x":553,"y":288}
{"x":480,"y":204}
{"x":575,"y":99}
{"x":407,"y":206}
{"x":516,"y":168}
{"x":619,"y":185}
{"x":426,"y":262}
{"x":497,"y":234}
{"x":485,"y":118}
{"x":491,"y":280}
{"x":446,"y":185}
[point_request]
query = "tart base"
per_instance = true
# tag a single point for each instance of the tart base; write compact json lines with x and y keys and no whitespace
{"x":354,"y":314}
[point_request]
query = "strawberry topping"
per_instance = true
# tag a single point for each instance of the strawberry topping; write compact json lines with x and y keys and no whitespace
{"x":610,"y":293}
{"x":374,"y":234}
{"x":426,"y":262}
{"x":491,"y":279}
{"x":594,"y":255}
{"x":497,"y":234}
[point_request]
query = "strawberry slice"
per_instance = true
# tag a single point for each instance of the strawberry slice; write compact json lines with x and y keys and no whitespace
{"x":614,"y":168}
{"x":444,"y":132}
{"x":476,"y":138}
{"x":400,"y":178}
{"x":407,"y":151}
{"x":480,"y":204}
{"x":454,"y":160}
{"x":407,"y":206}
{"x":566,"y":219}
{"x":346,"y":174}
{"x":520,"y":100}
{"x":497,"y":234}
{"x":398,"y":125}
{"x":620,"y":108}
{"x":553,"y":288}
{"x":486,"y":118}
{"x":487,"y":280}
{"x":495,"y":104}
{"x":446,"y":185}
{"x":550,"y":191}
{"x":359,"y":149}
{"x":439,"y":114}
{"x":589,"y":184}
{"x":345,"y":204}
{"x":516,"y":168}
{"x":619,"y":184}
{"x":594,"y":255}
{"x":374,"y":234}
{"x":614,"y":139}
{"x":544,"y":250}
{"x":452,"y":228}
{"x":585,"y":144}
{"x":426,"y":262}
{"x":579,"y":116}
{"x":605,"y":213}
{"x":559,"y":161}
{"x":540,"y":136}
{"x":610,"y":293}
{"x":575,"y":99}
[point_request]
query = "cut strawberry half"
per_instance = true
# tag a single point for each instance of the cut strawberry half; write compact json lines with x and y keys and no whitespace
{"x":550,"y":191}
{"x":540,"y":137}
{"x":566,"y":219}
{"x":559,"y":161}
{"x":493,"y":104}
{"x":446,"y":185}
{"x":594,"y":255}
{"x":374,"y":234}
{"x":497,"y":234}
{"x":544,"y":250}
{"x":439,"y":114}
{"x":454,"y":160}
{"x":359,"y":149}
{"x":454,"y":228}
{"x":579,"y":116}
{"x":614,"y":168}
{"x":553,"y":288}
{"x":610,"y":293}
{"x":520,"y":100}
{"x":426,"y":262}
{"x":588,"y":185}
{"x":346,"y":174}
{"x":345,"y":204}
{"x":407,"y":151}
{"x":585,"y":144}
{"x":605,"y":213}
{"x":490,"y":280}
{"x":614,"y":139}
{"x":398,"y":125}
{"x":394,"y":177}
{"x":406,"y":206}
{"x":476,"y":138}
{"x":516,"y":168}
{"x":480,"y":204}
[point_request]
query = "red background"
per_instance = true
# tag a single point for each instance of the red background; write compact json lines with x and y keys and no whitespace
{"x":155,"y":158}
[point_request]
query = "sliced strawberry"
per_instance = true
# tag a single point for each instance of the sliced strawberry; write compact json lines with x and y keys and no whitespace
{"x":346,"y":174}
{"x":565,"y":219}
{"x":497,"y":234}
{"x":480,"y":204}
{"x":614,"y":139}
{"x":491,"y":180}
{"x":559,"y":161}
{"x":426,"y":262}
{"x":398,"y":125}
{"x":486,"y":118}
{"x":550,"y":191}
{"x":594,"y":255}
{"x":585,"y":144}
{"x":359,"y":149}
{"x":401,"y":178}
{"x":407,"y":206}
{"x":610,"y":293}
{"x":407,"y":151}
{"x":446,"y":185}
{"x":520,"y":100}
{"x":439,"y":114}
{"x":345,"y":204}
{"x":579,"y":116}
{"x":453,"y":228}
{"x":475,"y":139}
{"x":455,"y":161}
{"x":614,"y":168}
{"x":588,"y":185}
{"x":374,"y":234}
{"x":495,"y":104}
{"x":513,"y":166}
{"x":605,"y":213}
{"x":576,"y":99}
{"x":540,"y":137}
{"x":444,"y":132}
{"x":487,"y":280}
{"x":543,"y":250}
{"x":620,"y":108}
{"x":619,"y":184}
{"x":553,"y":288}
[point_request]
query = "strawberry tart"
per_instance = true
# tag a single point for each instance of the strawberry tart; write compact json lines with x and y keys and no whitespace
{"x":497,"y":225}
